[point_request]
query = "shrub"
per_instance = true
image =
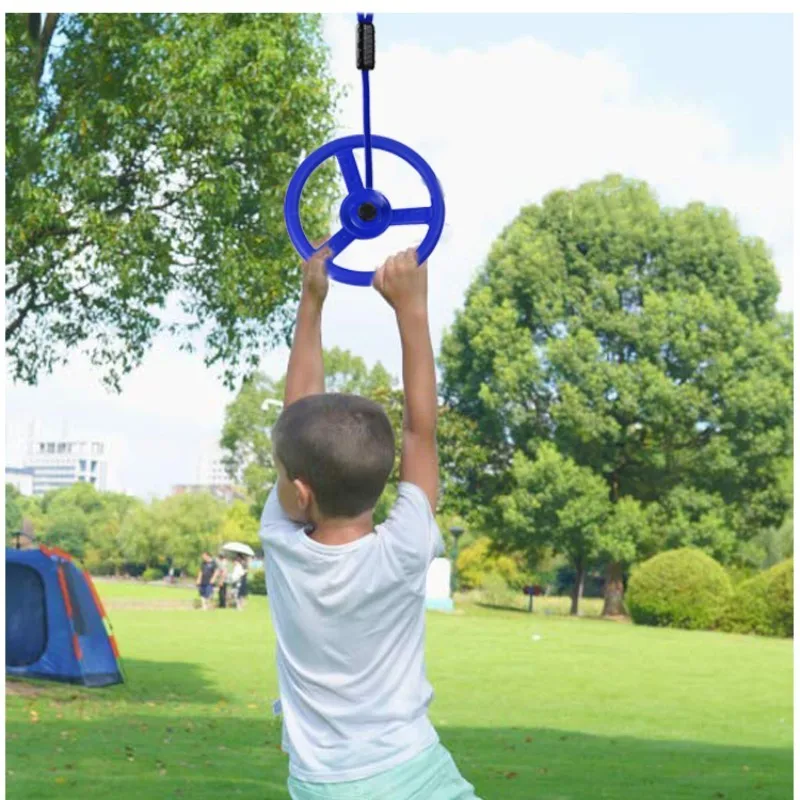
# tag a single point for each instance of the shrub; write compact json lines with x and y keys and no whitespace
{"x":764,"y":604}
{"x":683,"y":588}
{"x":255,"y":582}
{"x":476,"y":564}
{"x":96,"y":564}
{"x":496,"y":592}
{"x":152,"y":574}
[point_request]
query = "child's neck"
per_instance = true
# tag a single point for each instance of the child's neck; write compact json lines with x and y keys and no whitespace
{"x":341,"y":531}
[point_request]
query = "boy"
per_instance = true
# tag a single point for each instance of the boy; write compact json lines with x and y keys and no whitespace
{"x":348,"y":598}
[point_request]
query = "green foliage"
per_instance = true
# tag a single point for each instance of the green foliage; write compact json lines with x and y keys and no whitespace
{"x":763,"y":604}
{"x":553,"y":503}
{"x":477,"y":563}
{"x":682,"y":588}
{"x":13,"y":511}
{"x":256,"y":582}
{"x":239,"y":525}
{"x":494,"y":591}
{"x":772,"y":545}
{"x":149,"y":163}
{"x":153,"y":574}
{"x":641,"y":344}
{"x":173,"y":531}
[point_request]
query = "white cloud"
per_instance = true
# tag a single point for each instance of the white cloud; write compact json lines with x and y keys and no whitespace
{"x":501,"y":126}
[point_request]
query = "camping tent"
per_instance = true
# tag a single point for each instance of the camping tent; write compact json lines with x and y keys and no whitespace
{"x":56,"y":627}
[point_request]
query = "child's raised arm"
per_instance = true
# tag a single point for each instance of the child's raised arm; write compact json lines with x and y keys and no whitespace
{"x":305,"y":374}
{"x":404,"y":285}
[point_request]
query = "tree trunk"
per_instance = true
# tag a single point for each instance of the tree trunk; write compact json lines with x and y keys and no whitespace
{"x":577,"y":588}
{"x":614,"y":605}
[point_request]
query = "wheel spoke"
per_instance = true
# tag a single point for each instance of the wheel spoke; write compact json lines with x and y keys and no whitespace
{"x":349,"y":168}
{"x":339,"y":241}
{"x":411,"y":216}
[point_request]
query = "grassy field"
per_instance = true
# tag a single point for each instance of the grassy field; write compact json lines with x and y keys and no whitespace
{"x":533,"y":707}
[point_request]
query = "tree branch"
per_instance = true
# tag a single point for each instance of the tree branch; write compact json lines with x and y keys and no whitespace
{"x":45,"y":38}
{"x":12,"y":290}
{"x":20,"y":318}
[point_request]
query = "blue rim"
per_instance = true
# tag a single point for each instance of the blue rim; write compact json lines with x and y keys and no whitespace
{"x":353,"y":225}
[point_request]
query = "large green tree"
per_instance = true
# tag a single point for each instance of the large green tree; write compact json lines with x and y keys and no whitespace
{"x":174,"y":531}
{"x":147,"y":156}
{"x":644,"y":345}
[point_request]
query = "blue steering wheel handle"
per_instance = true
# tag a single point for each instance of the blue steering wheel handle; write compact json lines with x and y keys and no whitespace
{"x":365,"y":213}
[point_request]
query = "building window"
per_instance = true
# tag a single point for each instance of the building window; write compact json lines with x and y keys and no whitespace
{"x":92,"y":480}
{"x":51,"y":447}
{"x":83,"y":465}
{"x":62,"y":447}
{"x":94,"y":466}
{"x":82,"y":479}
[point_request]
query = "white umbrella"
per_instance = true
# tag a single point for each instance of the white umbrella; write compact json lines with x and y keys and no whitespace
{"x":238,"y":547}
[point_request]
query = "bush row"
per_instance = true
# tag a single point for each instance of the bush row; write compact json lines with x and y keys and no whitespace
{"x":688,"y":589}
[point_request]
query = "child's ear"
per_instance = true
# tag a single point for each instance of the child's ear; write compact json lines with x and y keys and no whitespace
{"x":303,"y":494}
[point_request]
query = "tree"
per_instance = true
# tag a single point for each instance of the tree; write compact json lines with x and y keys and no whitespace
{"x":174,"y":531}
{"x":477,"y":562}
{"x":13,"y":511}
{"x":104,"y":546}
{"x":644,"y":345}
{"x":147,"y":156}
{"x":143,"y":541}
{"x":557,"y":504}
{"x":190,"y":524}
{"x":239,"y":525}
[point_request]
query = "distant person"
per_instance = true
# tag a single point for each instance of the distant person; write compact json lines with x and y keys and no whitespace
{"x":206,"y":579}
{"x":240,"y":581}
{"x":230,"y":582}
{"x":222,"y":581}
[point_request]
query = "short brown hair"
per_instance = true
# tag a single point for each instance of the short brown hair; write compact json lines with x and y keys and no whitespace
{"x":342,"y":445}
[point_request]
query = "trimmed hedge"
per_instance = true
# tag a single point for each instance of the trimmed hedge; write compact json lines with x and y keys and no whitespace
{"x":763,"y":604}
{"x":683,"y":588}
{"x":153,"y":574}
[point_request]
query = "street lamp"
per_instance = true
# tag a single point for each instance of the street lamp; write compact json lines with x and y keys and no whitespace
{"x":455,"y":532}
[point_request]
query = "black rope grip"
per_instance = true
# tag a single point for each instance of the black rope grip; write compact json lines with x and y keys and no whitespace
{"x":365,"y":46}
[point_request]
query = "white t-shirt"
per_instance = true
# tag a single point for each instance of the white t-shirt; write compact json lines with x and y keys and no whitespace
{"x":350,"y":626}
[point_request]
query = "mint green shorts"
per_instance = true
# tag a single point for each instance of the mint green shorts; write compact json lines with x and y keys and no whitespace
{"x":432,"y":775}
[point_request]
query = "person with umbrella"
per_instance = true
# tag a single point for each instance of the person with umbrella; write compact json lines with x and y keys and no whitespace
{"x":238,"y":573}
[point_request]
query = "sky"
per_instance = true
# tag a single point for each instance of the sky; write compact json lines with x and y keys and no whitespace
{"x":505,"y":108}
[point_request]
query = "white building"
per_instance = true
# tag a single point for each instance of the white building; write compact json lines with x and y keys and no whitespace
{"x":59,"y":458}
{"x":60,"y":463}
{"x":210,"y":469}
{"x":21,"y":478}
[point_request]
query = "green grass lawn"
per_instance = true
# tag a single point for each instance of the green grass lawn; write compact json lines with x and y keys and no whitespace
{"x":589,"y":709}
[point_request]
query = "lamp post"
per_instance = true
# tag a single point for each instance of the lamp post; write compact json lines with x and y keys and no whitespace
{"x":455,"y":532}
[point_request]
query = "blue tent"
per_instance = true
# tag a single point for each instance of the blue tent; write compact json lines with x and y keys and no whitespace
{"x":56,"y":628}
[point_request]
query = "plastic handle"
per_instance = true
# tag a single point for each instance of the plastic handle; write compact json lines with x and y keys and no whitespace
{"x":364,"y":213}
